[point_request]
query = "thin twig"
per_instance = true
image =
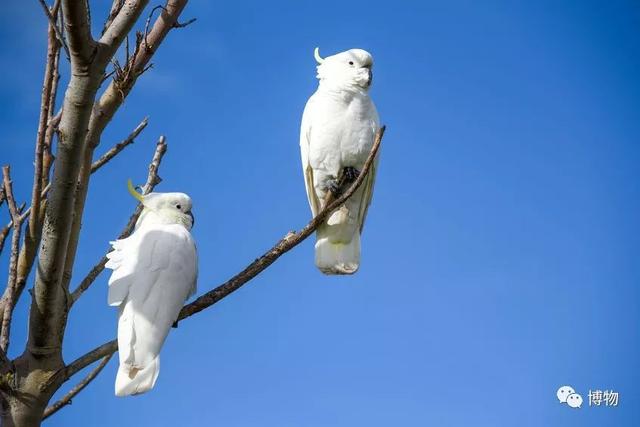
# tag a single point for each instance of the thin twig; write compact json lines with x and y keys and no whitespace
{"x":146,"y":25}
{"x":32,"y":234}
{"x":52,"y":123}
{"x":4,"y":231}
{"x":43,"y":159}
{"x":119,"y":146}
{"x":284,"y":245}
{"x":52,"y":22}
{"x":25,"y":214}
{"x":8,"y":299}
{"x":152,"y":180}
{"x":66,"y":399}
{"x":184,"y":24}
{"x":7,"y":186}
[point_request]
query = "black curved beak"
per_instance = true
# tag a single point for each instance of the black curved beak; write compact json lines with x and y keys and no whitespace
{"x":193,"y":220}
{"x":369,"y":77}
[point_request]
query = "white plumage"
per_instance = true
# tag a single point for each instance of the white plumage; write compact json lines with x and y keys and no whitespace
{"x":154,"y":272}
{"x":339,"y":124}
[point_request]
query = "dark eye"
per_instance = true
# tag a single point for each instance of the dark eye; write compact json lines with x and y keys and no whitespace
{"x":178,"y":207}
{"x":350,"y":62}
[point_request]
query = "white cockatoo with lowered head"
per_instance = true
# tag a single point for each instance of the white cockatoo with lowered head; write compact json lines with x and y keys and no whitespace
{"x":338,"y":128}
{"x":154,"y":272}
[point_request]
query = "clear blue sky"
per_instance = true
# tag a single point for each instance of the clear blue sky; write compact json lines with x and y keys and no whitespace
{"x":500,"y":256}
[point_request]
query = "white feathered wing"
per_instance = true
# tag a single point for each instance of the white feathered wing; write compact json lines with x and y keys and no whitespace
{"x":154,"y":272}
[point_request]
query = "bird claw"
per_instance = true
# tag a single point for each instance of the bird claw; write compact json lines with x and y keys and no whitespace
{"x":351,"y":173}
{"x":335,"y":188}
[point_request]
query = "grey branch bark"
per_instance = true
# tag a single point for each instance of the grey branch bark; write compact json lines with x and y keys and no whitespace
{"x":88,"y":61}
{"x":42,"y":160}
{"x":59,"y":216}
{"x":45,"y":106}
{"x":48,"y":313}
{"x":104,"y":110}
{"x":53,"y":25}
{"x":78,"y":27}
{"x":9,"y":297}
{"x":290,"y":241}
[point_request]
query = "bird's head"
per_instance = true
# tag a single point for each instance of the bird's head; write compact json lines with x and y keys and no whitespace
{"x":345,"y":70}
{"x":164,"y":208}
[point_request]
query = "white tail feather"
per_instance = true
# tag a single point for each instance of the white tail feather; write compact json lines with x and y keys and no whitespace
{"x":337,"y":258}
{"x":130,"y":380}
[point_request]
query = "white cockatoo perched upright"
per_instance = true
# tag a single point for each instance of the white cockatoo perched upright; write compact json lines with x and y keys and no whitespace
{"x":339,"y":124}
{"x":154,"y":272}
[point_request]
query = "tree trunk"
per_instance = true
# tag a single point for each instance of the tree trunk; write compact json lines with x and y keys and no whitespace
{"x":23,"y":404}
{"x":20,"y":414}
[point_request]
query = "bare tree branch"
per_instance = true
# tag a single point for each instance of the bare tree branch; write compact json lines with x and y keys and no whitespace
{"x":42,"y":125}
{"x":78,"y":27}
{"x":25,"y":261}
{"x":78,"y":131}
{"x":290,"y":241}
{"x":102,"y":114}
{"x":43,"y":158}
{"x":8,"y":299}
{"x":48,"y":313}
{"x":66,"y":399}
{"x":116,"y":92}
{"x":115,"y":9}
{"x":287,"y":243}
{"x":4,"y":231}
{"x":118,"y":28}
{"x":105,"y":108}
{"x":52,"y":123}
{"x":53,"y":25}
{"x":119,"y":146}
{"x":152,"y":180}
{"x":51,"y":300}
{"x":25,"y":214}
{"x":47,"y":103}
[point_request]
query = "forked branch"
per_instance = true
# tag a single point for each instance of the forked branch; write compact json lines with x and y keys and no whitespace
{"x":8,"y":299}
